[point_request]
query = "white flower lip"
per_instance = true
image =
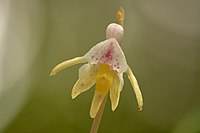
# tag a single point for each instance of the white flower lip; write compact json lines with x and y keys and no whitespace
{"x":108,"y":52}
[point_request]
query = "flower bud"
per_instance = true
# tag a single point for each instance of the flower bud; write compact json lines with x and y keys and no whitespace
{"x":115,"y":31}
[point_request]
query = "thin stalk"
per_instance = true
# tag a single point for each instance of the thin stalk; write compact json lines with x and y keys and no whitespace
{"x":97,"y":119}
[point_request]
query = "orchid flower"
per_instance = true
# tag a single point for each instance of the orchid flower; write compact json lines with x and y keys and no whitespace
{"x":105,"y":66}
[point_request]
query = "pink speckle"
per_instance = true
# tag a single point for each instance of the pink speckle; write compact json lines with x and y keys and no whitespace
{"x":108,"y":54}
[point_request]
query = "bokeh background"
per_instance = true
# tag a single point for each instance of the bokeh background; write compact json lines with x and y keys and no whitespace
{"x":161,"y":44}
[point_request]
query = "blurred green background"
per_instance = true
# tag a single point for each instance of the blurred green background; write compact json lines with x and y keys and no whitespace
{"x":161,"y":44}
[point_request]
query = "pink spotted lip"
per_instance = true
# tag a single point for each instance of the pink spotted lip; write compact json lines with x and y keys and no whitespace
{"x":108,"y":52}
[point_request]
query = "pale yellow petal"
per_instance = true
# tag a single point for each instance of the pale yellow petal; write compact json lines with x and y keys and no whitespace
{"x":84,"y":82}
{"x":67,"y":64}
{"x":115,"y":92}
{"x":96,"y":103}
{"x":136,"y":88}
{"x":121,"y":79}
{"x":83,"y":69}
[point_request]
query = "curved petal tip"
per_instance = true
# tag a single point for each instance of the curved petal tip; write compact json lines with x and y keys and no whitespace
{"x":140,"y":108}
{"x":67,"y":64}
{"x":53,"y":72}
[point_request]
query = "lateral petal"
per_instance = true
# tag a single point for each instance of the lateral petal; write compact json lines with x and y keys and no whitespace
{"x":83,"y":69}
{"x":67,"y":64}
{"x":115,"y":92}
{"x":136,"y":88}
{"x":85,"y":81}
{"x":120,"y":75}
{"x":96,"y":103}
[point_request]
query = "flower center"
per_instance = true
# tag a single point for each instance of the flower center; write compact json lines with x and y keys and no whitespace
{"x":104,"y":78}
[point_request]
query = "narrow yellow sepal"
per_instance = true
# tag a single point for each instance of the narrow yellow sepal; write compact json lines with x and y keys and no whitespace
{"x":85,"y":81}
{"x":96,"y":103}
{"x":67,"y":64}
{"x":115,"y":92}
{"x":136,"y":88}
